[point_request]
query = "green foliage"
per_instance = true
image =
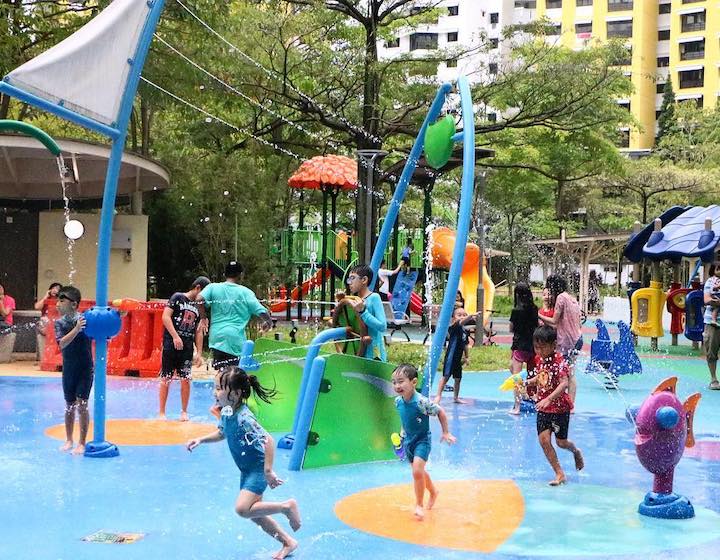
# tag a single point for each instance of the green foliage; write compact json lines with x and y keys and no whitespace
{"x":667,"y":121}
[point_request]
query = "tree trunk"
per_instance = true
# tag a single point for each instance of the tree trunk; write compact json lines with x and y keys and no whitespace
{"x":4,"y":106}
{"x":559,"y":188}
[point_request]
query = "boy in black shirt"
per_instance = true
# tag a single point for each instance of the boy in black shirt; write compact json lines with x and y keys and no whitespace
{"x":180,"y":319}
{"x":77,"y":372}
{"x":456,"y":354}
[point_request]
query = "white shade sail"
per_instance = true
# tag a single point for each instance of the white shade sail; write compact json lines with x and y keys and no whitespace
{"x":88,"y":71}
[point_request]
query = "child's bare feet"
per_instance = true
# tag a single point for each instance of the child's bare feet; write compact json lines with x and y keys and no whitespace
{"x":459,"y":401}
{"x":161,"y":416}
{"x":515,"y":411}
{"x":184,"y":417}
{"x":436,"y":399}
{"x":419,"y":513}
{"x":79,"y":450}
{"x":293,"y":515}
{"x":559,"y":479}
{"x":433,"y":496}
{"x":579,"y":461}
{"x":287,"y":549}
{"x":67,"y":446}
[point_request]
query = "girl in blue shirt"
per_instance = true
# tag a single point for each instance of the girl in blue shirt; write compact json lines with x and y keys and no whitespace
{"x":415,"y":411}
{"x":252,"y":449}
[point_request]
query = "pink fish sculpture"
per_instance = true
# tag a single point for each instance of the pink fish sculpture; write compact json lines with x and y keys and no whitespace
{"x":664,"y":428}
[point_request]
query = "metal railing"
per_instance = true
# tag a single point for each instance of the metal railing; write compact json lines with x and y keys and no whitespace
{"x":619,"y":6}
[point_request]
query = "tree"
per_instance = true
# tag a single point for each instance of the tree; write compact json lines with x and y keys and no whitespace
{"x":667,"y":121}
{"x":650,"y":177}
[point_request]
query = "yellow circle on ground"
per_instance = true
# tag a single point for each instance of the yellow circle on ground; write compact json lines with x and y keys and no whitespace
{"x":472,"y":515}
{"x":138,"y":431}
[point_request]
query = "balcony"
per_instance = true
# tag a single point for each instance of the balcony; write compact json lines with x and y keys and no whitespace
{"x":692,"y":55}
{"x":619,"y":5}
{"x":696,"y":26}
{"x":685,"y":84}
{"x":691,"y":1}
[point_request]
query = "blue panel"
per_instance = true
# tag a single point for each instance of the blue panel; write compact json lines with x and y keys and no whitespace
{"x":685,"y":236}
{"x":634,"y":249}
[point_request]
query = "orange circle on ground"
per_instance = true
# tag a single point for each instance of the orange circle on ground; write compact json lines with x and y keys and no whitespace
{"x":471,"y":515}
{"x":139,"y":431}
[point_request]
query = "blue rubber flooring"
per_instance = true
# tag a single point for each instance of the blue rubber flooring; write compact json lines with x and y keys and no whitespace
{"x":183,"y":503}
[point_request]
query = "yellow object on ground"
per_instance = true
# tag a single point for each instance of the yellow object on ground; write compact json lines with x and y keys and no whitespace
{"x":471,"y":515}
{"x":142,"y":431}
{"x":647,"y":306}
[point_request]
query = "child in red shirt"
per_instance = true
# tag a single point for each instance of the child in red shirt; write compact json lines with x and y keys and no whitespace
{"x":553,"y":402}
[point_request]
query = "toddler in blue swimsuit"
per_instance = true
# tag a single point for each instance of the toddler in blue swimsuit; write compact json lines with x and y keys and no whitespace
{"x":415,"y":411}
{"x":252,"y":449}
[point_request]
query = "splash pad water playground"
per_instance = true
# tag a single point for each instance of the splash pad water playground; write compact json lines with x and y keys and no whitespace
{"x":341,"y":465}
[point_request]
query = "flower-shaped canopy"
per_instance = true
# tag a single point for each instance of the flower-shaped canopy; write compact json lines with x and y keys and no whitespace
{"x":326,"y":171}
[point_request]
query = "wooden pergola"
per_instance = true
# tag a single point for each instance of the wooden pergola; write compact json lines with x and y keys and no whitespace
{"x":587,"y":249}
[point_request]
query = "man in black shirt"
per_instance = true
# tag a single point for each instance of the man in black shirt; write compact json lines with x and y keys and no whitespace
{"x":180,"y":319}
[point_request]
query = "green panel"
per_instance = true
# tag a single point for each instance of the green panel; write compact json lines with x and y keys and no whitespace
{"x":355,"y":419}
{"x":284,"y":376}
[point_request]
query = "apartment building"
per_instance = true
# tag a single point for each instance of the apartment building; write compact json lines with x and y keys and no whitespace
{"x":677,"y":40}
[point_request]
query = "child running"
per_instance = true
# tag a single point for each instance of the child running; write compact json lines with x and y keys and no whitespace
{"x":414,"y":410}
{"x":253,"y":450}
{"x":456,"y":355}
{"x":553,"y":402}
{"x":523,"y":322}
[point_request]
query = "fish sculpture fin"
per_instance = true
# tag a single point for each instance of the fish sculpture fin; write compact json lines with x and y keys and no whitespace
{"x":689,"y":407}
{"x":666,"y":385}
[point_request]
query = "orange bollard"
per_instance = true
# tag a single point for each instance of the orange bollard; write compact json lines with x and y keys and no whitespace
{"x":127,"y":304}
{"x":150,"y":366}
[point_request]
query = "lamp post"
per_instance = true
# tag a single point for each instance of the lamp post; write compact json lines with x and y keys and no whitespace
{"x":480,"y":321}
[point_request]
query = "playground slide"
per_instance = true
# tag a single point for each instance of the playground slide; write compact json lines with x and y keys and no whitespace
{"x":306,"y":287}
{"x":416,"y":303}
{"x":443,"y":243}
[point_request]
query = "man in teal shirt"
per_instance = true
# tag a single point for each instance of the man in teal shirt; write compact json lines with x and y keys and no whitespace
{"x":231,"y":307}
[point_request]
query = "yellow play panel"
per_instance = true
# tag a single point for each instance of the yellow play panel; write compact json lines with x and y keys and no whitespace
{"x":138,"y":431}
{"x":471,"y":515}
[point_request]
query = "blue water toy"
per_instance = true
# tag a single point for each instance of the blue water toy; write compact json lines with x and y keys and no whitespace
{"x":613,"y":359}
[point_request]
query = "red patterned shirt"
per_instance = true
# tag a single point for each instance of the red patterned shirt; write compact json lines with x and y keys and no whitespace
{"x":550,"y":372}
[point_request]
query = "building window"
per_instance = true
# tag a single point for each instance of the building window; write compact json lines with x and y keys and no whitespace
{"x":453,"y":10}
{"x":657,"y":114}
{"x":553,"y":4}
{"x":583,"y":2}
{"x":554,"y":29}
{"x":663,"y":61}
{"x":624,"y":139}
{"x":426,"y":41}
{"x":692,"y":50}
{"x":699,"y":102}
{"x":452,"y":37}
{"x":691,"y":78}
{"x":527,"y":4}
{"x":664,"y":8}
{"x":625,"y":59}
{"x":664,"y":35}
{"x":495,"y":18}
{"x":492,"y":117}
{"x":583,"y":28}
{"x":618,"y":5}
{"x":624,"y":105}
{"x":660,"y":87}
{"x":493,"y":68}
{"x":622,"y":29}
{"x":693,"y":22}
{"x":494,"y":43}
{"x":392,"y":43}
{"x":692,"y":1}
{"x":451,"y":63}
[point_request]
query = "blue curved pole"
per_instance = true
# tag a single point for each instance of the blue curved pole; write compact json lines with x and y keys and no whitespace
{"x":463,"y":227}
{"x":404,"y":181}
{"x":306,"y":409}
{"x":99,"y":447}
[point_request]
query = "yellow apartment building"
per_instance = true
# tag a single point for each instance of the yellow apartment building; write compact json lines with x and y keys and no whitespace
{"x":677,"y":40}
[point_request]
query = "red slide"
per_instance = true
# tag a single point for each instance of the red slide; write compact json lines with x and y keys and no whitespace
{"x":306,"y":287}
{"x":416,"y":303}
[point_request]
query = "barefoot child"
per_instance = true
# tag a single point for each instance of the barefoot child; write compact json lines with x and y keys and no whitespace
{"x":456,"y":354}
{"x":523,"y":322}
{"x":414,"y":410}
{"x":253,"y":450}
{"x":77,"y":372}
{"x":553,"y":402}
{"x":180,"y":319}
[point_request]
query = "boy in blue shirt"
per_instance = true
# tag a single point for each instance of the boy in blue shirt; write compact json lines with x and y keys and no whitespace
{"x":415,"y":410}
{"x":370,"y":310}
{"x":77,"y":372}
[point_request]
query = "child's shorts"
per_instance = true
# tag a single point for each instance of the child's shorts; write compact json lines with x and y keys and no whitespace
{"x":177,"y":363}
{"x":419,"y":448}
{"x":452,"y":370}
{"x":76,"y":385}
{"x":523,"y":357}
{"x":253,"y":481}
{"x":557,"y":422}
{"x":222,"y":359}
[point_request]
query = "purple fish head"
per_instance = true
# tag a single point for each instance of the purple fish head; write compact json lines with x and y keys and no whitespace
{"x":662,"y":429}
